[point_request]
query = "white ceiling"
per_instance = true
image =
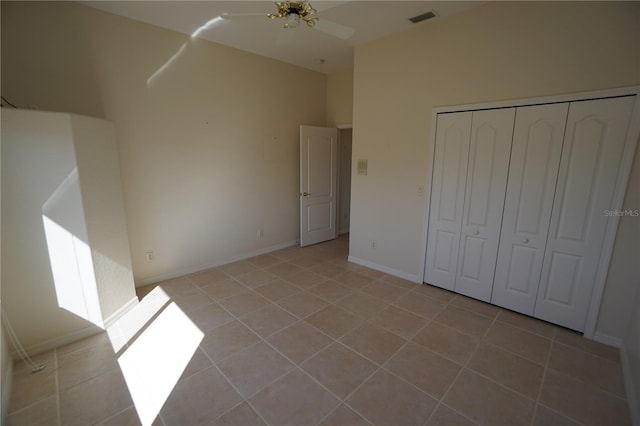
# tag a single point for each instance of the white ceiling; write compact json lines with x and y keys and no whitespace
{"x":302,"y":46}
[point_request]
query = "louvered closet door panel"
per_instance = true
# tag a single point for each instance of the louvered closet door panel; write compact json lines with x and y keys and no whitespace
{"x":591,"y":154}
{"x":491,"y":134}
{"x":533,"y":171}
{"x":447,"y":198}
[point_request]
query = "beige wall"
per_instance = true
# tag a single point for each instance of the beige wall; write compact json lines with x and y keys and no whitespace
{"x":207,"y":141}
{"x":624,"y":273}
{"x":6,"y":373}
{"x":623,"y":279}
{"x":632,"y":354}
{"x":340,"y":98}
{"x":65,"y":264}
{"x":103,"y":205}
{"x":6,"y":362}
{"x":498,"y":51}
{"x":37,"y":156}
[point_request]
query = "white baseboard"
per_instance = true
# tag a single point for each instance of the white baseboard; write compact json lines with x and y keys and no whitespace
{"x":632,"y":392}
{"x":616,"y":342}
{"x":214,"y":264}
{"x":385,"y":269}
{"x":60,"y":341}
{"x":120,"y":312}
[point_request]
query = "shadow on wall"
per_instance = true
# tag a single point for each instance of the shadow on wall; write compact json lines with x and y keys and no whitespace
{"x":65,"y":240}
{"x":70,"y":254}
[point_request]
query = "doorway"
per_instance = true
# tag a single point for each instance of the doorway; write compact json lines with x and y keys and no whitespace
{"x":344,"y":179}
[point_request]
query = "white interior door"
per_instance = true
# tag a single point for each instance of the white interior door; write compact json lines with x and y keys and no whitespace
{"x":589,"y":166}
{"x":490,"y":147}
{"x":453,"y":132}
{"x":533,"y":172}
{"x":318,"y":176}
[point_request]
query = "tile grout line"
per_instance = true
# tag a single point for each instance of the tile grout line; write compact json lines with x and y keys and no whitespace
{"x":379,"y":367}
{"x":464,"y":367}
{"x":217,"y":368}
{"x":298,"y":366}
{"x":326,"y":257}
{"x":597,"y":387}
{"x":100,"y":422}
{"x":576,"y":348}
{"x":439,"y":400}
{"x":295,"y":366}
{"x":542,"y":379}
{"x":430,"y":321}
{"x":58,"y":406}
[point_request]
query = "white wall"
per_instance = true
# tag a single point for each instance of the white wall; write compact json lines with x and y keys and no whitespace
{"x":208,"y":147}
{"x":6,"y":374}
{"x":62,"y":212}
{"x":497,"y":51}
{"x":103,"y":204}
{"x":34,"y":163}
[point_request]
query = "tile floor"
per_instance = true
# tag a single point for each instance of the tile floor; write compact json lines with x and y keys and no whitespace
{"x":302,"y":337}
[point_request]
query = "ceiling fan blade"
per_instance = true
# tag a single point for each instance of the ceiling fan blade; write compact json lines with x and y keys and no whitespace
{"x":334,"y":29}
{"x":241,"y":16}
{"x":322,"y":5}
{"x":285,"y":36}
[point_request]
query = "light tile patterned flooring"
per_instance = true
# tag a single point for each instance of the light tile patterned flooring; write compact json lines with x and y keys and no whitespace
{"x":302,"y":337}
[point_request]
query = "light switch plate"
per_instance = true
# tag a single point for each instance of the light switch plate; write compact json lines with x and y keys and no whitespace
{"x":363,"y":166}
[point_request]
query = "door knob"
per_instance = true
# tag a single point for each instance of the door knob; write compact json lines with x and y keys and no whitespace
{"x":525,"y":240}
{"x":476,"y":232}
{"x":304,"y":194}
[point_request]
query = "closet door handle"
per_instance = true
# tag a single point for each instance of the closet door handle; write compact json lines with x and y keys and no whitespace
{"x":525,"y":240}
{"x":476,"y":232}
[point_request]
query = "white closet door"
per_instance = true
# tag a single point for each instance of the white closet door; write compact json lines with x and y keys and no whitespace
{"x":491,"y":134}
{"x":591,"y":154}
{"x":533,"y":172}
{"x":447,"y":197}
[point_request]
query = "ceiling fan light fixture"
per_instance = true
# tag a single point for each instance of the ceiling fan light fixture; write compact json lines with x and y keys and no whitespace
{"x":293,"y":19}
{"x":293,"y":11}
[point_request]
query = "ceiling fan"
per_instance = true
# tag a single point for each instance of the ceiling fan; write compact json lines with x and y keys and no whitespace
{"x":295,"y":11}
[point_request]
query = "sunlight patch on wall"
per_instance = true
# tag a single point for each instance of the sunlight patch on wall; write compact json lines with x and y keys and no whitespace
{"x":69,"y":254}
{"x":163,"y":67}
{"x":209,"y":24}
{"x":206,"y":26}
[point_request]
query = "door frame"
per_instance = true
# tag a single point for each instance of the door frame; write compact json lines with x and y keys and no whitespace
{"x":618,"y":196}
{"x":339,"y":178}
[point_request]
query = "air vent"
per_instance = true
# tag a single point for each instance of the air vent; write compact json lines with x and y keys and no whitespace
{"x":430,"y":14}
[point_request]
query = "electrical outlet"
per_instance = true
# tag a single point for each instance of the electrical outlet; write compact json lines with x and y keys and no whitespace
{"x":149,"y":255}
{"x":260,"y":232}
{"x":373,"y":244}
